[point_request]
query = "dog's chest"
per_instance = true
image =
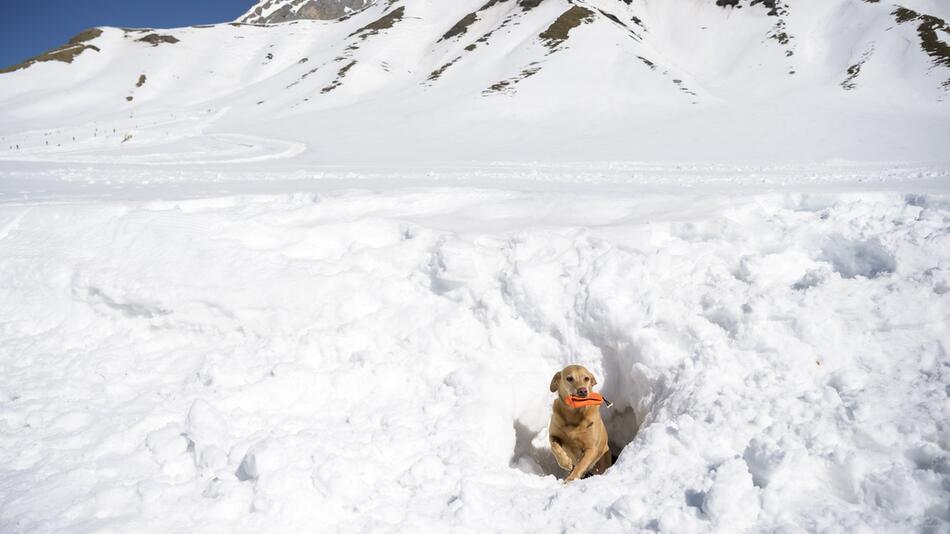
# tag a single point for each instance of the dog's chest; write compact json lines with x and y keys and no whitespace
{"x":580,"y":425}
{"x":578,"y":422}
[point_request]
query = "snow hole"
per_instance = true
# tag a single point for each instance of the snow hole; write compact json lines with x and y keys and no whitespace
{"x":858,"y":258}
{"x":532,"y":451}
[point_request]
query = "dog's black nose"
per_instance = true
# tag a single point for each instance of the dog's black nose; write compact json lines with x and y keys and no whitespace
{"x":581,"y":392}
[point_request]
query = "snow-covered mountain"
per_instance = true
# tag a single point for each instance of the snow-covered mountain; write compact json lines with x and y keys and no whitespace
{"x":502,"y":80}
{"x":272,"y":11}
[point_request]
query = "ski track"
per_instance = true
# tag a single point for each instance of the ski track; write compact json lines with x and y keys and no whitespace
{"x":175,"y":140}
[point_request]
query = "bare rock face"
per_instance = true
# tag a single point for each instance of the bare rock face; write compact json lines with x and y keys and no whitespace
{"x":274,"y":11}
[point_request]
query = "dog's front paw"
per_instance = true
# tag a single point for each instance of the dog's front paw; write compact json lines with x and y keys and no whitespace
{"x":567,"y":466}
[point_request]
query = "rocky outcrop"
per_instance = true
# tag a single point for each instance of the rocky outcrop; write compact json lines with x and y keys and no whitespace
{"x":274,"y":11}
{"x":66,"y":53}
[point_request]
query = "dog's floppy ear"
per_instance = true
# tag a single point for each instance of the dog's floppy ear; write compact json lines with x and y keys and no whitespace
{"x":593,"y":380}
{"x":555,"y":381}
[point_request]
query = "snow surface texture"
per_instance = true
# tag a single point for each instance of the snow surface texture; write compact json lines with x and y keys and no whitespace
{"x":371,"y":358}
{"x":437,"y":80}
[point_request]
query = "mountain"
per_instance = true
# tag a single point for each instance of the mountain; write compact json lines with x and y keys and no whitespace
{"x":273,"y":11}
{"x":415,"y":80}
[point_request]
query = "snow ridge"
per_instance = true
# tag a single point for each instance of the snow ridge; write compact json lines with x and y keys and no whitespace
{"x":274,"y":11}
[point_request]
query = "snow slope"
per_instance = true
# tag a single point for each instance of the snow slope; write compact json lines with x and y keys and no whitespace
{"x":517,"y":80}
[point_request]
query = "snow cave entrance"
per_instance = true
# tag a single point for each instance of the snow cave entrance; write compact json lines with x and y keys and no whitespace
{"x":532,"y":452}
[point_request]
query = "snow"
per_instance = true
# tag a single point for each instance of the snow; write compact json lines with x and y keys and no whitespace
{"x":236,"y":303}
{"x":377,"y":358}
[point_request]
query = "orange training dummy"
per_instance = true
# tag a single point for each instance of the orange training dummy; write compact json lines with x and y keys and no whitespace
{"x":592,"y":399}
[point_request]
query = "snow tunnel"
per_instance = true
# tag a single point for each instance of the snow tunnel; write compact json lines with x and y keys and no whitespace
{"x":624,"y":381}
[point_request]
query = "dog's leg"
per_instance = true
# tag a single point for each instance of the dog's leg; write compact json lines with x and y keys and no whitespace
{"x":602,"y":464}
{"x":563,"y":458}
{"x":583,"y":466}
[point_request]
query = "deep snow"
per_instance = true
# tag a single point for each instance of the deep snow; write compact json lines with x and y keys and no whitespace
{"x":374,"y":355}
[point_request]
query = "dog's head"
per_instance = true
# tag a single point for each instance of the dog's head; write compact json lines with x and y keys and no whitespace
{"x":573,"y":380}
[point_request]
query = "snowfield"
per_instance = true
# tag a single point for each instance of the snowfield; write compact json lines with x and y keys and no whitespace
{"x":374,"y":354}
{"x":317,"y":276}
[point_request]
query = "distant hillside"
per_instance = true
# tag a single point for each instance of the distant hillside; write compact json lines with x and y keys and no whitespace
{"x":518,"y":79}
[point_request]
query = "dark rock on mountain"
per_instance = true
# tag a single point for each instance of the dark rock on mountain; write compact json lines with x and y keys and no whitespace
{"x":287,"y":10}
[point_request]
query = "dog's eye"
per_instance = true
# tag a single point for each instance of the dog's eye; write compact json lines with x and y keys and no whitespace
{"x":570,"y":379}
{"x":586,"y":379}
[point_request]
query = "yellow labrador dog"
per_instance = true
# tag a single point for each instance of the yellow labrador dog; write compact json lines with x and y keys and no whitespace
{"x":578,"y":435}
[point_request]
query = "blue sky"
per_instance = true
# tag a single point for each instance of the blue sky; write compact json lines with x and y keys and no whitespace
{"x":28,"y":27}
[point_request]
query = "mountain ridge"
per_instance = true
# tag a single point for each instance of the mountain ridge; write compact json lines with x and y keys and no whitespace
{"x":276,"y":11}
